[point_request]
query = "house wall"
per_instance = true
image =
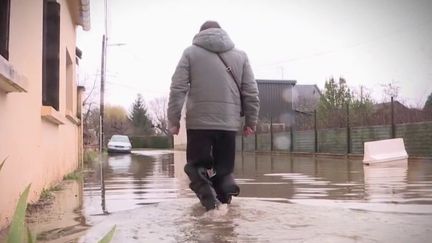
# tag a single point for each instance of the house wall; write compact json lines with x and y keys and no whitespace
{"x":181,"y":139}
{"x":306,"y":97}
{"x":38,"y":151}
{"x":276,"y":101}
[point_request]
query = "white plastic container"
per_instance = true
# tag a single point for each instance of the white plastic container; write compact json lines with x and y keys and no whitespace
{"x":384,"y":151}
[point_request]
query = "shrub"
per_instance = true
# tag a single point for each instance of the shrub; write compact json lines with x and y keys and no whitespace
{"x":161,"y":142}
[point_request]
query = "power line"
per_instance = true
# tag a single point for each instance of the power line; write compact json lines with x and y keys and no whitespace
{"x":136,"y":88}
{"x":356,"y":45}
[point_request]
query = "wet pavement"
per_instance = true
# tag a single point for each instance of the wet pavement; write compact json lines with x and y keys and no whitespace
{"x":59,"y":220}
{"x":283,"y":198}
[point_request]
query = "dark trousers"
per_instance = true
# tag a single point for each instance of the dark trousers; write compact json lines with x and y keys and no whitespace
{"x":211,"y":149}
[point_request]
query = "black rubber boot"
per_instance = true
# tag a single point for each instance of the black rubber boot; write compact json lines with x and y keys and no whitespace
{"x":202,"y":186}
{"x":225,"y":188}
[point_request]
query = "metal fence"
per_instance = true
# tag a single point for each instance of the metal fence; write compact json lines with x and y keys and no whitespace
{"x":343,"y":133}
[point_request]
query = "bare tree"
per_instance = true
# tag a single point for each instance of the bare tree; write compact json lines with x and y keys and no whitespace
{"x":390,"y":90}
{"x":91,"y":125}
{"x":90,"y":110}
{"x":116,"y":121}
{"x":158,"y":113}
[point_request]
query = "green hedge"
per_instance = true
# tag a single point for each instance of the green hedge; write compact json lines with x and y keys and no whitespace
{"x":151,"y":142}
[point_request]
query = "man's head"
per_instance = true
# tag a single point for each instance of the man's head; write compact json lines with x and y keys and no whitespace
{"x":209,"y":24}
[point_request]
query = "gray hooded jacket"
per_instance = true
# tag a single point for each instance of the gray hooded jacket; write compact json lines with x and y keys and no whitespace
{"x":213,"y":99}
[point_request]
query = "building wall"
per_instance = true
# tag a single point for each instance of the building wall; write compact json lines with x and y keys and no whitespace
{"x":181,"y":139}
{"x":276,"y":100}
{"x":306,"y":97}
{"x":38,"y":151}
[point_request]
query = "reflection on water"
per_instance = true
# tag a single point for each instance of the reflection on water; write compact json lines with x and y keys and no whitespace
{"x":386,"y":182}
{"x":146,"y":195}
{"x":183,"y":220}
{"x":148,"y":177}
{"x":60,"y":220}
{"x":299,"y":177}
{"x":325,"y":181}
{"x":127,"y":181}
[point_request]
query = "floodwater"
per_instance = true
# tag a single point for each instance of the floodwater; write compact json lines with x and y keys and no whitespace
{"x":283,"y":199}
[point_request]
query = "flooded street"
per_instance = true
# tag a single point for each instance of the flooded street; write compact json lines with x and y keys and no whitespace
{"x":283,"y":198}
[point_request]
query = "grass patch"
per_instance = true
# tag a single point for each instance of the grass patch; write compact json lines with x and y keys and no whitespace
{"x":56,"y":188}
{"x":19,"y":232}
{"x":46,"y":195}
{"x":75,"y":175}
{"x":90,"y":156}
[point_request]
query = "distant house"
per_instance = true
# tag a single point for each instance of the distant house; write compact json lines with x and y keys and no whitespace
{"x":282,"y":100}
{"x":40,"y":101}
{"x":276,"y":100}
{"x":402,"y":114}
{"x":306,"y":97}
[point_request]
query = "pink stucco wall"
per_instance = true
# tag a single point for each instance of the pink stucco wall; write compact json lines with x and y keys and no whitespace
{"x":38,"y":151}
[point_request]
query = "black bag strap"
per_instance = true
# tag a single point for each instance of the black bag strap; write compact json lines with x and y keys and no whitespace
{"x":229,"y":70}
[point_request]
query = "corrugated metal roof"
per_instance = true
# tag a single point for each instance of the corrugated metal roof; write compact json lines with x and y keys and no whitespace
{"x":276,"y":81}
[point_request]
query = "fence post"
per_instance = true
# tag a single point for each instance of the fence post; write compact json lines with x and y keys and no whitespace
{"x":256,"y":140}
{"x":316,"y":132}
{"x":172,"y":141}
{"x":271,"y":133}
{"x":348,"y":130}
{"x":242,"y":142}
{"x":393,"y":127}
{"x":292,"y":139}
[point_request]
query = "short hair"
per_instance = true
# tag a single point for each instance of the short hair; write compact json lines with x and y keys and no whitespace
{"x":210,"y":24}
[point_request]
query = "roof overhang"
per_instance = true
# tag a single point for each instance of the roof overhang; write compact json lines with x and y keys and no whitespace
{"x":84,"y":13}
{"x":80,"y":11}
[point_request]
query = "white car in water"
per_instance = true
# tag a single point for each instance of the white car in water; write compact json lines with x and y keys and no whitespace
{"x":119,"y":144}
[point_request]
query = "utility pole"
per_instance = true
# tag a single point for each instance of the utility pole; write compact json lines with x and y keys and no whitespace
{"x":102,"y":95}
{"x":282,"y":69}
{"x":102,"y":86}
{"x":102,"y":107}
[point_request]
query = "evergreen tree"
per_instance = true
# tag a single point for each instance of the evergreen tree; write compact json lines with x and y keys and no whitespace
{"x":139,"y":117}
{"x":361,"y":109}
{"x":331,"y":112}
{"x":333,"y":104}
{"x":335,"y":95}
{"x":428,"y":104}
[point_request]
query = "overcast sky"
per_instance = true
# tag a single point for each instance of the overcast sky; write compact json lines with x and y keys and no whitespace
{"x":368,"y":42}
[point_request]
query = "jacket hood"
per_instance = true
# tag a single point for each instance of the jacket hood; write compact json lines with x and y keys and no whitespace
{"x":214,"y":40}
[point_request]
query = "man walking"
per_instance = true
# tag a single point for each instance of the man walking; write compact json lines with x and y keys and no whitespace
{"x":219,"y":84}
